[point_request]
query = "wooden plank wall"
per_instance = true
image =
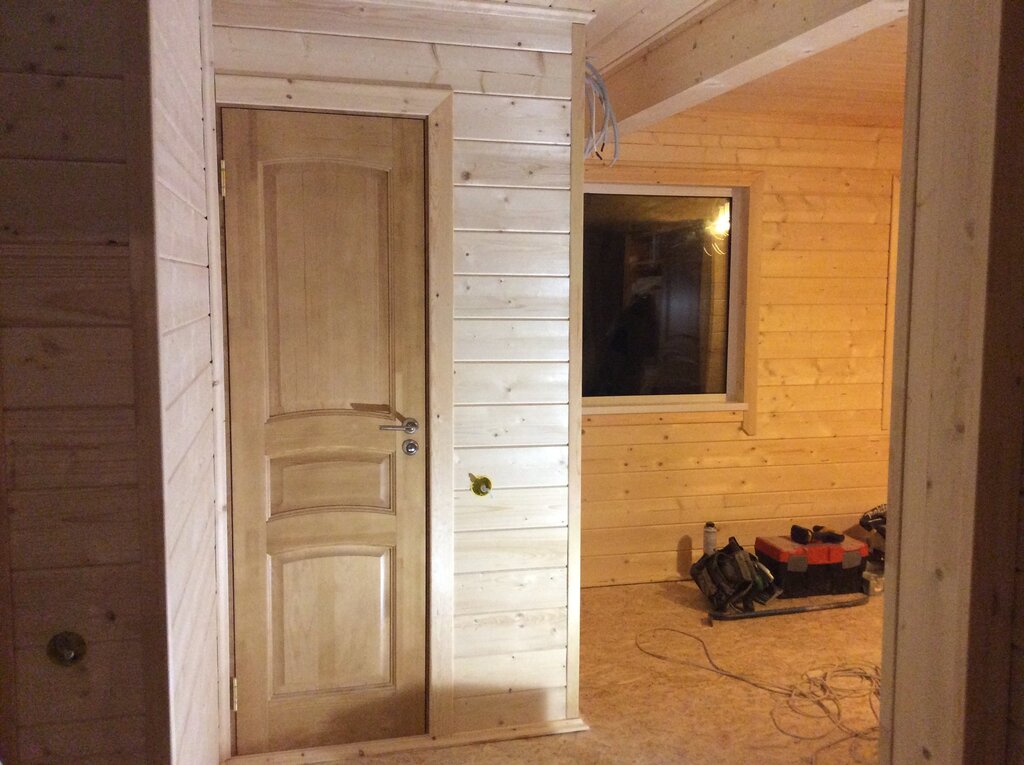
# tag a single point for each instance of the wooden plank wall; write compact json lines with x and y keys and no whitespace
{"x":186,"y":378}
{"x":650,"y":481}
{"x":511,"y":79}
{"x":71,"y":522}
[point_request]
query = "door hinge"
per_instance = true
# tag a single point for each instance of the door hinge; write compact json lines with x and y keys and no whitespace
{"x":234,"y":694}
{"x":223,"y":180}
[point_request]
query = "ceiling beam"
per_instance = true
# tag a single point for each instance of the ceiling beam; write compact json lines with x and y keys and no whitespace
{"x":736,"y":43}
{"x":622,"y":27}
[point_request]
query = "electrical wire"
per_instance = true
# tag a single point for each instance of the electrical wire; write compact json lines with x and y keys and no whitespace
{"x":821,"y":694}
{"x":598,"y":130}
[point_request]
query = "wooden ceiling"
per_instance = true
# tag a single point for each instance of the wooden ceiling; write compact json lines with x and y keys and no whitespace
{"x":860,"y":82}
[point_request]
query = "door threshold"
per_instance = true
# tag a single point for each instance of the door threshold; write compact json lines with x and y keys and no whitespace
{"x":325,"y":755}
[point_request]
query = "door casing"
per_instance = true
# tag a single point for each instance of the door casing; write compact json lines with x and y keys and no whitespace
{"x":434,"y":106}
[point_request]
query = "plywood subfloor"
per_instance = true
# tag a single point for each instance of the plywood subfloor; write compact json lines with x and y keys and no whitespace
{"x":646,"y":711}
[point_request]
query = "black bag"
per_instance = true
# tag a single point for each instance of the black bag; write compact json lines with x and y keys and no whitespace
{"x":733,"y":578}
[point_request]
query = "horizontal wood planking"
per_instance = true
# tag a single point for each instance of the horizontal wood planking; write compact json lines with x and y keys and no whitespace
{"x":506,"y":253}
{"x":38,"y":289}
{"x":827,"y":208}
{"x":481,"y":208}
{"x":511,"y":297}
{"x":321,"y":56}
{"x":502,"y":633}
{"x":824,"y":153}
{"x":492,"y":163}
{"x":502,"y":710}
{"x":811,"y":291}
{"x":62,"y":367}
{"x":500,"y":591}
{"x":675,"y":483}
{"x":660,"y":511}
{"x":82,"y":448}
{"x":56,"y":38}
{"x":71,"y":506}
{"x":510,"y":549}
{"x":108,"y":741}
{"x":825,"y":265}
{"x":819,"y":451}
{"x":825,"y":345}
{"x":511,"y":383}
{"x":820,"y":371}
{"x":483,"y":340}
{"x":755,"y":452}
{"x":523,"y":120}
{"x":511,"y":509}
{"x":514,"y":467}
{"x":103,"y":605}
{"x":688,"y":536}
{"x":819,"y":398}
{"x":81,"y":202}
{"x":98,"y":687}
{"x":508,"y":673}
{"x":511,"y":425}
{"x":47,"y":118}
{"x":73,"y":527}
{"x":821,"y":318}
{"x":355,"y":19}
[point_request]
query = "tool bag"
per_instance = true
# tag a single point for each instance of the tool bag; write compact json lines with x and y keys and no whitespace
{"x":733,"y":578}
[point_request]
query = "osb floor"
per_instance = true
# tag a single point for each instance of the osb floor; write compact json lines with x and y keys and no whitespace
{"x":646,"y":711}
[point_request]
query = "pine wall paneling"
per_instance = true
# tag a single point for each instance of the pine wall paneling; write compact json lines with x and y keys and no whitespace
{"x":72,"y":530}
{"x":511,"y":105}
{"x":184,"y":326}
{"x":819,"y":455}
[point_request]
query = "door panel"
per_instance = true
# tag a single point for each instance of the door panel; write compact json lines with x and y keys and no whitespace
{"x":326,"y":343}
{"x":323,"y":250}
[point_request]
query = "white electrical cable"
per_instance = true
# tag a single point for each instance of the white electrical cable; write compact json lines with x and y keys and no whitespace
{"x":820,"y":694}
{"x":598,"y":134}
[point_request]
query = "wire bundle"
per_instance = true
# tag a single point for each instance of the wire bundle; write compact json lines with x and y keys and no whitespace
{"x":820,"y":694}
{"x":598,"y":131}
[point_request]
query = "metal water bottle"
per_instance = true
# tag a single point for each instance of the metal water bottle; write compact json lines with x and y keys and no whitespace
{"x":710,"y":537}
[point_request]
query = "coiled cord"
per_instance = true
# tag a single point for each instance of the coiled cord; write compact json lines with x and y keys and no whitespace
{"x":820,"y":694}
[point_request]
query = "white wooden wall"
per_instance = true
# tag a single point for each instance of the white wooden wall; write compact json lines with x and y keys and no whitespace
{"x":186,"y":378}
{"x":511,"y":79}
{"x":71,"y":522}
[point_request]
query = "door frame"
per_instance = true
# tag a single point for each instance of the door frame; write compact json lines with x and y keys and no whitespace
{"x":434,"y":106}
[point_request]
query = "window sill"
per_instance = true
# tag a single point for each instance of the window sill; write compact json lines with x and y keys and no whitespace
{"x":729,"y":409}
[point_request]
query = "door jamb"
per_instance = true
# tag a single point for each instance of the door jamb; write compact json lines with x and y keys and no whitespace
{"x":434,"y":106}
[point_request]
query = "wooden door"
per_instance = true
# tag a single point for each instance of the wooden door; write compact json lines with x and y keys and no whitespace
{"x":324,"y":222}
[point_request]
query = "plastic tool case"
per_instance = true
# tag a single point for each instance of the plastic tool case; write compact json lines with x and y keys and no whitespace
{"x":816,"y":568}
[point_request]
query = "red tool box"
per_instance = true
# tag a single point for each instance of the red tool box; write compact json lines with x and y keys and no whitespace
{"x":815,"y":568}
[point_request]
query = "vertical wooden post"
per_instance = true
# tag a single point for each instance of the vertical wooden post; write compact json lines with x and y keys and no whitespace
{"x":890,"y":303}
{"x":572,"y":680}
{"x":957,"y":422}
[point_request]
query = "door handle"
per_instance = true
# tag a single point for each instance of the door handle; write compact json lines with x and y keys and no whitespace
{"x":409,"y":425}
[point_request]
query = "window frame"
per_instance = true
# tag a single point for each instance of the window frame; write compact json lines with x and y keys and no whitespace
{"x":737,"y":398}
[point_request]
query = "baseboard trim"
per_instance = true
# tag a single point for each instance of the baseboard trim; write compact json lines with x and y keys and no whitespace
{"x":326,"y":755}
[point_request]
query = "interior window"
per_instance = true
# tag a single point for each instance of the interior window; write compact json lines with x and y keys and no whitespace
{"x":655,"y":294}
